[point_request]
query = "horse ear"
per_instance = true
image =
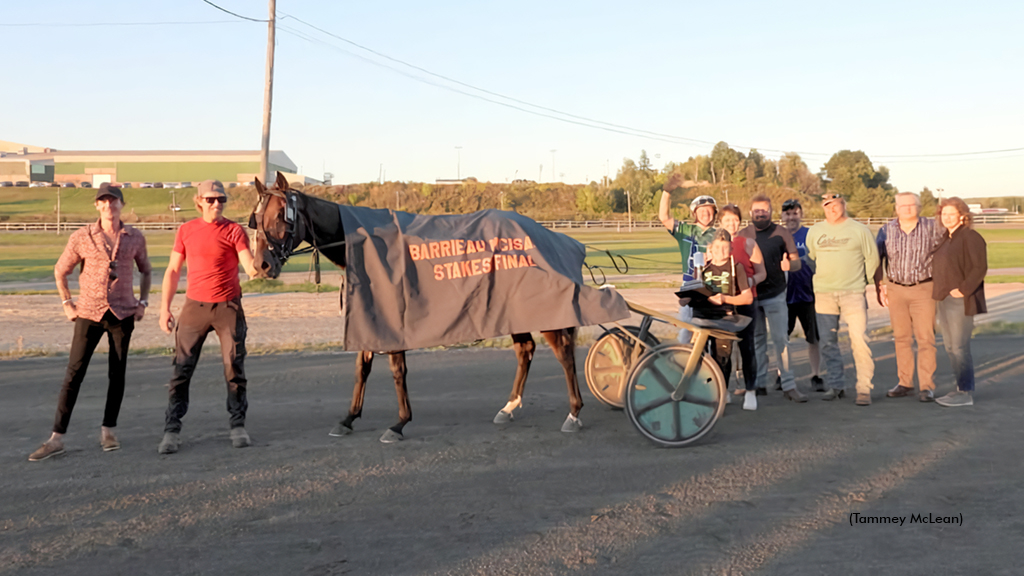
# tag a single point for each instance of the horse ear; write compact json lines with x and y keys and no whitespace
{"x":282,"y":182}
{"x":259,"y":186}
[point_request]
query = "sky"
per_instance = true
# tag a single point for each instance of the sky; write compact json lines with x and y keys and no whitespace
{"x":894,"y":79}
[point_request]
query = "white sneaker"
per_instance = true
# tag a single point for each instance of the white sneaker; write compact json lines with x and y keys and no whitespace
{"x":750,"y":400}
{"x":728,"y":397}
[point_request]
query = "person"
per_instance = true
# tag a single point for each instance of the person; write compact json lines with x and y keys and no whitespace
{"x":959,"y":266}
{"x":748,"y":255}
{"x":800,"y":290}
{"x":780,"y":256}
{"x":212,"y":247}
{"x":692,"y":238}
{"x":728,"y":289}
{"x":107,"y":251}
{"x":846,"y":259}
{"x":905,"y":246}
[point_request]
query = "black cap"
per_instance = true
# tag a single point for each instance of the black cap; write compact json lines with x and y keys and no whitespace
{"x":791,"y":204}
{"x":107,"y":189}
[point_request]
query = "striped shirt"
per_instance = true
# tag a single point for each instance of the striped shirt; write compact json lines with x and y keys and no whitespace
{"x":907,"y":257}
{"x":97,"y":293}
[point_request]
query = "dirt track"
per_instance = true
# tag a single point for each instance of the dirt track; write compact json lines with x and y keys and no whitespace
{"x":768,"y":492}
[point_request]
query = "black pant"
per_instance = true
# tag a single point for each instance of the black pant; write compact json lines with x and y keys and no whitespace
{"x":746,"y":345}
{"x":197,"y":319}
{"x":83,"y":344}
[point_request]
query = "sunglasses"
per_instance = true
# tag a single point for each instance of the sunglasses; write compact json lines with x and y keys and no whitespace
{"x":112,"y":275}
{"x":790,"y":205}
{"x":831,"y":196}
{"x":211,"y":200}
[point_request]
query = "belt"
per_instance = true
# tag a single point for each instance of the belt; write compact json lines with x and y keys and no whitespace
{"x":914,"y":284}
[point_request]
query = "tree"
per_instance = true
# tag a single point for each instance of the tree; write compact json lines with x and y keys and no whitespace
{"x":928,"y":202}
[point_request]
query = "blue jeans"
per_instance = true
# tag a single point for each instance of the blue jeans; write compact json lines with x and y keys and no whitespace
{"x":956,"y":328}
{"x":775,"y":313}
{"x":852,"y":307}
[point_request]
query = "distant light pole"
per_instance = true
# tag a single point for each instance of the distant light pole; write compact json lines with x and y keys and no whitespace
{"x":458,"y":163}
{"x":940,"y":191}
{"x":174,"y":205}
{"x":553,"y":164}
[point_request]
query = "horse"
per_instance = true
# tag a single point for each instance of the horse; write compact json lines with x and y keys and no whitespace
{"x":284,"y":218}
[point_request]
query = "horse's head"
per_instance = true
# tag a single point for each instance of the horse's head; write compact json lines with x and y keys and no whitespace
{"x":279,"y":229}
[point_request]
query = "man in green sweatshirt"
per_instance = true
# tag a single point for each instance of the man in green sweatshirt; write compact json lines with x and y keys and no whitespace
{"x":846,"y":257}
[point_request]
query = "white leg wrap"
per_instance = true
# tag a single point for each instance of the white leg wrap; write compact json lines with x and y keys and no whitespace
{"x":512,"y":405}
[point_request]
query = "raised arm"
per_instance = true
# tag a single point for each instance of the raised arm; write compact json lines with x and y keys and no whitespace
{"x":666,"y":197}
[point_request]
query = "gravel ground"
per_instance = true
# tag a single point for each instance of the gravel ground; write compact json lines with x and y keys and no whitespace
{"x":767,"y":492}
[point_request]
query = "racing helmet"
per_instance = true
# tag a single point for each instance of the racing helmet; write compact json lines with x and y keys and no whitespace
{"x":703,"y":201}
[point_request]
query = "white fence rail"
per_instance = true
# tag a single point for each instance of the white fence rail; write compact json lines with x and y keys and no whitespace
{"x":605,"y":225}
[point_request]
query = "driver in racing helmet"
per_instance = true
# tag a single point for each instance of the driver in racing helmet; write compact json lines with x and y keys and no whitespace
{"x":692,"y":237}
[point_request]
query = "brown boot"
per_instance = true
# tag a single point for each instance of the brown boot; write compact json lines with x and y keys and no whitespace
{"x":48,"y":449}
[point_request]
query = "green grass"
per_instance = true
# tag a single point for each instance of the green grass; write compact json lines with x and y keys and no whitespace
{"x":1002,"y":234}
{"x":1006,"y":255}
{"x":266,"y":286}
{"x":28,"y":256}
{"x":1004,"y":279}
{"x":77,"y":204}
{"x":999,"y":328}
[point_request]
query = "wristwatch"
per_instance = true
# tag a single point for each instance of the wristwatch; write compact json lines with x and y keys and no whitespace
{"x":144,"y":303}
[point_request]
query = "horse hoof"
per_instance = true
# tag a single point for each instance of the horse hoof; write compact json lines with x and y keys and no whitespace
{"x":572,"y":424}
{"x":503,"y":417}
{"x":340,"y":430}
{"x":390,"y":437}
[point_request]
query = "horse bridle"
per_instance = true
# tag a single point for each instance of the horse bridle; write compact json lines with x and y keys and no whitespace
{"x":285,"y":249}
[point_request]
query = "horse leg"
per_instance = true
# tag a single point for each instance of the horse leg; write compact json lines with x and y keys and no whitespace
{"x":563,"y":342}
{"x":524,"y":347}
{"x":398,"y":369}
{"x":364,"y":362}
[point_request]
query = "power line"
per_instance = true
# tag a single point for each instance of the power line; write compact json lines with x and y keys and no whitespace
{"x":470,"y":94}
{"x":593,"y":123}
{"x":558,"y":115}
{"x":225,"y":10}
{"x":93,"y":24}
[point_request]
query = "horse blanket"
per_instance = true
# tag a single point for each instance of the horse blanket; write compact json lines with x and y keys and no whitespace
{"x":416,"y":281}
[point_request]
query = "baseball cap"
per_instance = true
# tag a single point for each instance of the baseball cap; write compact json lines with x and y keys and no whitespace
{"x":827,"y":199}
{"x":107,"y":189}
{"x":208,"y":186}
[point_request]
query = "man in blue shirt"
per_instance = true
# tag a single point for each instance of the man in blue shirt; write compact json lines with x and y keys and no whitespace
{"x":800,"y":290}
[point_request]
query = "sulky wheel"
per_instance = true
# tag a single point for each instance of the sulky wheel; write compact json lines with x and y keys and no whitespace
{"x":649,"y":402}
{"x":608,"y":364}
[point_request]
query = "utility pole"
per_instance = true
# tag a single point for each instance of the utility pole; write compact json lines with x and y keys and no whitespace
{"x":629,"y":209}
{"x":553,"y":165}
{"x":58,"y":210}
{"x":268,"y":94}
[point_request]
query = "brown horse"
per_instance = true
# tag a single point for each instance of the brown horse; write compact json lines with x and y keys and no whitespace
{"x":285,"y":218}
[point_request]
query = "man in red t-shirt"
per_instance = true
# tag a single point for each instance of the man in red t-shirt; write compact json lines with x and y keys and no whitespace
{"x":211,"y":247}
